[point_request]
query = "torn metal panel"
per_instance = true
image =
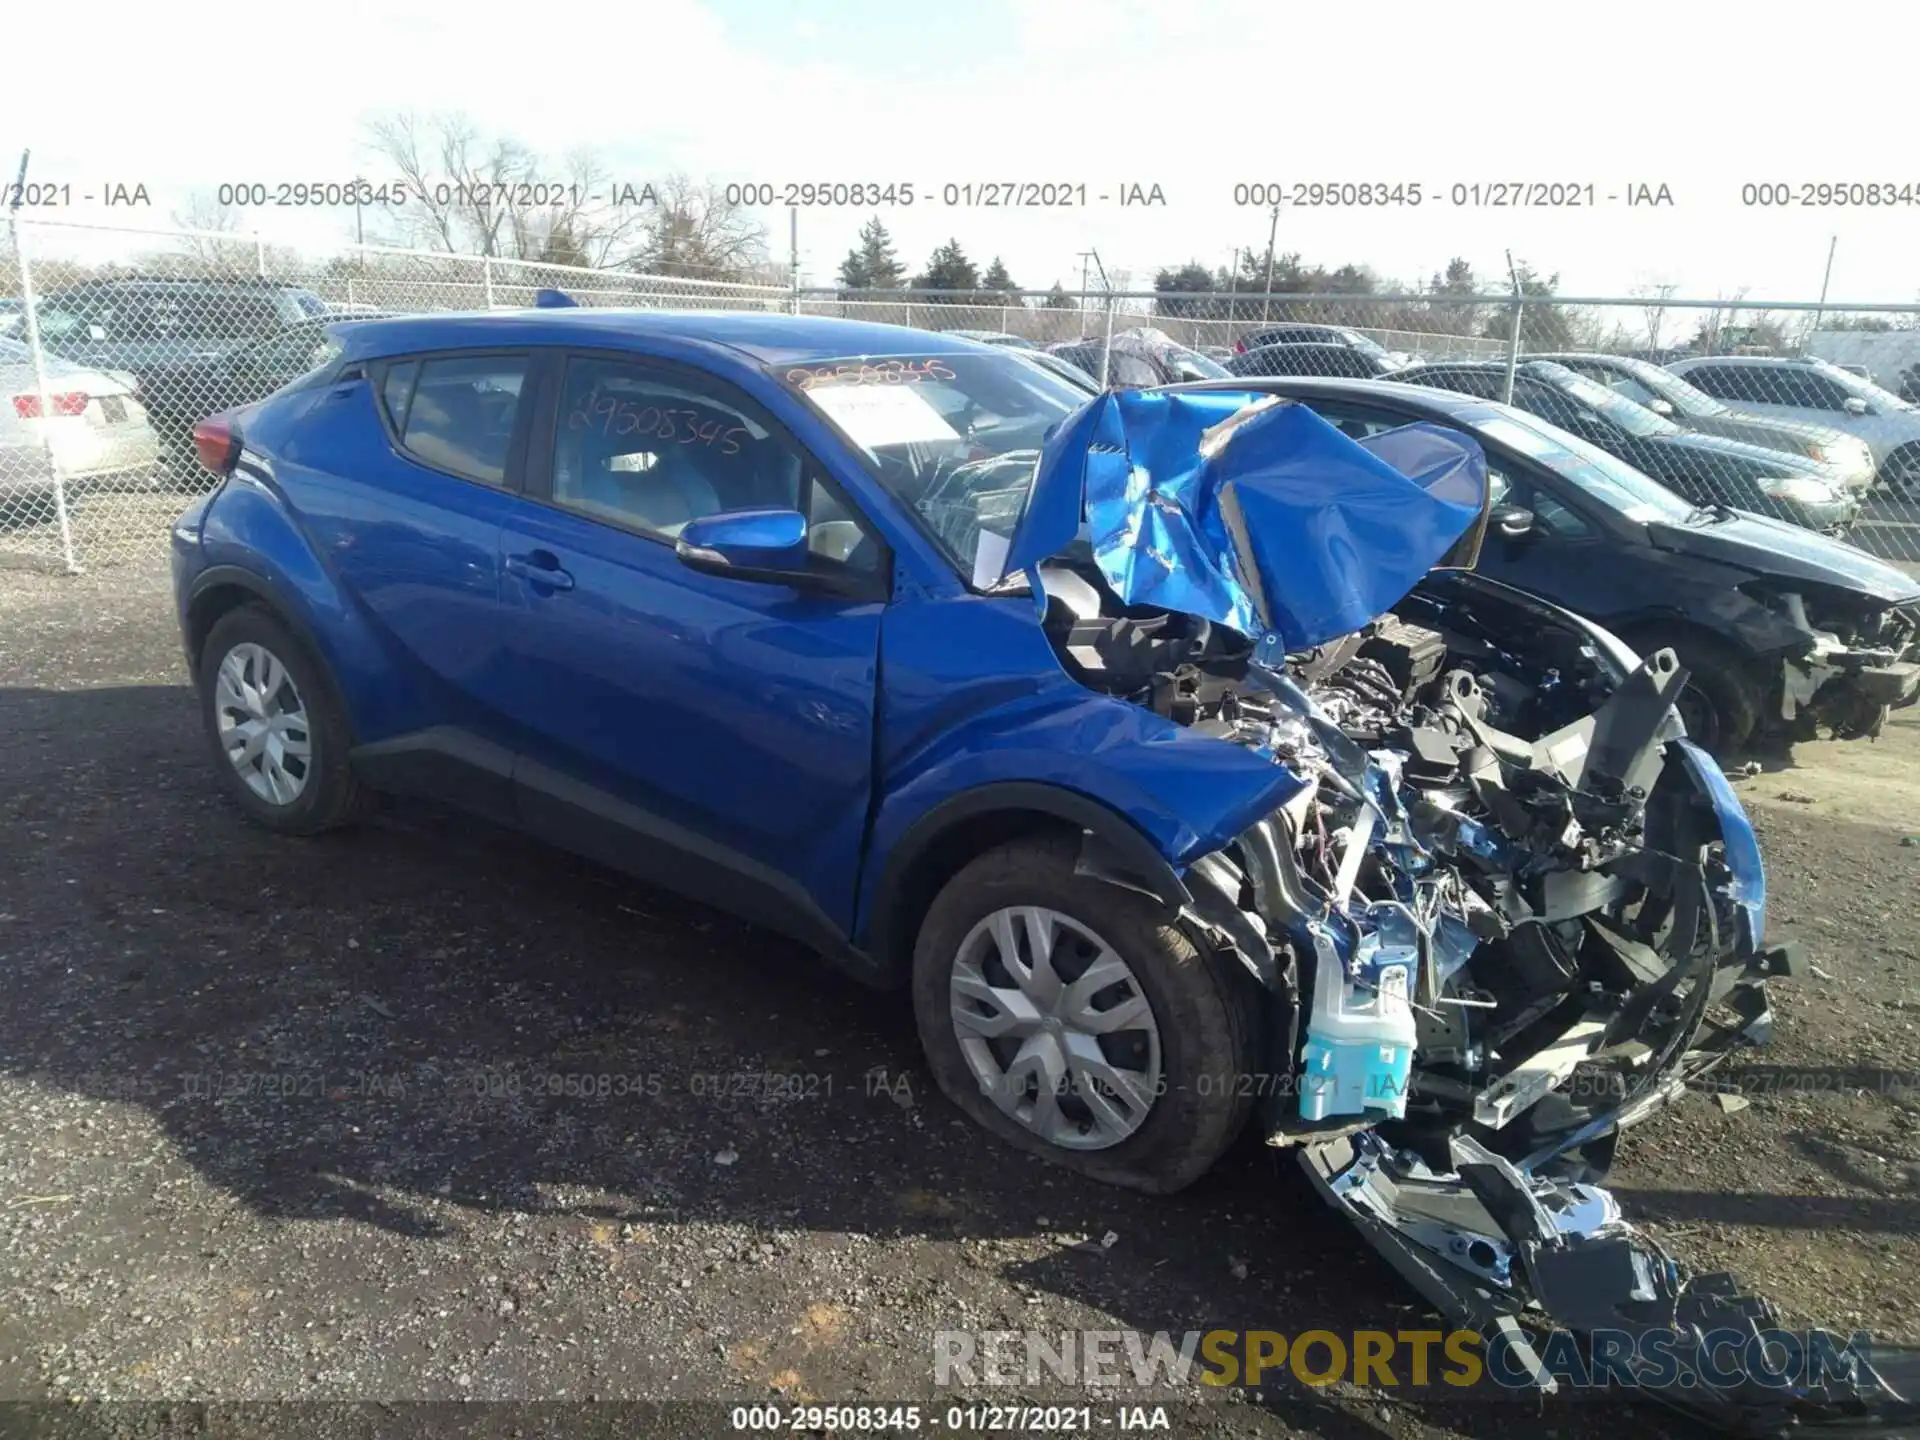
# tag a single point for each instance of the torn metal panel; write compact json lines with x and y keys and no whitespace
{"x":1514,"y":1255}
{"x":1250,"y":513}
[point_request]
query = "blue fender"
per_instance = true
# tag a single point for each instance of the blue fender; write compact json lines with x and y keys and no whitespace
{"x":974,"y":698}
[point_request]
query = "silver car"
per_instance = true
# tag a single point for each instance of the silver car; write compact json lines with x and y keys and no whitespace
{"x":1820,"y":393}
{"x":97,"y":431}
{"x":1848,"y":458}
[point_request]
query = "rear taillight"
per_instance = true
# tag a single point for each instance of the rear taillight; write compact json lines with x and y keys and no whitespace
{"x":27,"y":407}
{"x":218,"y":443}
{"x":1240,"y":347}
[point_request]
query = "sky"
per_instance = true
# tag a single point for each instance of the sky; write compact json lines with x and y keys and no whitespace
{"x":1702,"y":98}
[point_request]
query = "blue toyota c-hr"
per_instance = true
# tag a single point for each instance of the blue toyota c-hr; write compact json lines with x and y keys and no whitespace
{"x":1160,"y":742}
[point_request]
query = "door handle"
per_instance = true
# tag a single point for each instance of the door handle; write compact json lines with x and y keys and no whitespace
{"x":541,"y":567}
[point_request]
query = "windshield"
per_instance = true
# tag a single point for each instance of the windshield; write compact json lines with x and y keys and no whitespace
{"x":955,"y":437}
{"x":1606,"y":478}
{"x":1865,"y":389}
{"x":1632,"y":418}
{"x":1355,"y":340}
{"x":1192,"y":365}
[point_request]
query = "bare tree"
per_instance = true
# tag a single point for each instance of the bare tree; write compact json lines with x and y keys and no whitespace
{"x":694,"y":231}
{"x":204,"y":253}
{"x":469,"y":192}
{"x":1714,"y":323}
{"x":1656,"y":293}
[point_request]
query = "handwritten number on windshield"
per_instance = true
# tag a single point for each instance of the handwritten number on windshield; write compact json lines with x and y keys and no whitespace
{"x":879,"y":372}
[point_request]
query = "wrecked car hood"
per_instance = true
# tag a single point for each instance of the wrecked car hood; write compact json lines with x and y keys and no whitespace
{"x":1774,"y":547}
{"x":1252,"y":512}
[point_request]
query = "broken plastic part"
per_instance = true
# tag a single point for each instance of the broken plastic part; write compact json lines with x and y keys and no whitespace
{"x":1509,"y":1254}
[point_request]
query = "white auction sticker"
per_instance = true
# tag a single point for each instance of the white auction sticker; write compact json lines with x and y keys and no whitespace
{"x":882,"y":414}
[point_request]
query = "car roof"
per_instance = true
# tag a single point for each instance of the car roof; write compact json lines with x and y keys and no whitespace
{"x":758,"y":335}
{"x":1299,"y":345}
{"x":1746,"y":360}
{"x":1418,"y":397}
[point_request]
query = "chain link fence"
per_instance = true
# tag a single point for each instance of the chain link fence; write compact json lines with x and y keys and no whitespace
{"x":114,"y":343}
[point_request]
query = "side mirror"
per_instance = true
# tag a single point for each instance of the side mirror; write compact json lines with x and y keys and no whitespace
{"x":745,"y":544}
{"x":1512,"y":522}
{"x":96,"y":332}
{"x":1662,"y":408}
{"x":1854,"y":405}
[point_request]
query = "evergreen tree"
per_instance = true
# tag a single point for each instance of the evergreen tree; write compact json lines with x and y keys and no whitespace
{"x":948,"y":268}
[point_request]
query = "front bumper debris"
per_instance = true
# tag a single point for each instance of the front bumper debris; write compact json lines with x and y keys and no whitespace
{"x":1520,"y":1256}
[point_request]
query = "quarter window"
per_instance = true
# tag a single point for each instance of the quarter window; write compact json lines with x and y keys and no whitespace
{"x":461,"y":413}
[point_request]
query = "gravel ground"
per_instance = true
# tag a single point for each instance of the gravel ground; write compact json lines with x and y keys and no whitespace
{"x":423,"y":1112}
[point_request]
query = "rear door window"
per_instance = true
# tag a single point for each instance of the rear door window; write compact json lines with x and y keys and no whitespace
{"x":460,"y":412}
{"x":1723,"y":382}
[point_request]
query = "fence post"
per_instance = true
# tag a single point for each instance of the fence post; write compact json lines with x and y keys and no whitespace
{"x":1106,"y":350}
{"x":1513,"y":335}
{"x":486,"y":278}
{"x":45,"y":391}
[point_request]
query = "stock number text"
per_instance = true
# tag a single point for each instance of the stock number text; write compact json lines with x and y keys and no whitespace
{"x":1824,"y":193}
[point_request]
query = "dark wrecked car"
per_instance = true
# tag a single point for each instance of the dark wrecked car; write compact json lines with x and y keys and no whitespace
{"x":1134,"y":734}
{"x":1786,"y":635}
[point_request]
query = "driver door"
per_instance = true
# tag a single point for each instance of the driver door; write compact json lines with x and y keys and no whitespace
{"x":711,"y":733}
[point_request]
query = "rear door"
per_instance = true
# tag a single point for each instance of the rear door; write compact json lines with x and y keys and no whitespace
{"x":403,"y":478}
{"x":711,"y":733}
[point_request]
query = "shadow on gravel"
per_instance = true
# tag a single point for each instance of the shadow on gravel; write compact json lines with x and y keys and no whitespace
{"x":427,"y":1019}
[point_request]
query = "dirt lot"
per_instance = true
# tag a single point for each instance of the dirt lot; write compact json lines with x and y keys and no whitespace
{"x":306,"y":1120}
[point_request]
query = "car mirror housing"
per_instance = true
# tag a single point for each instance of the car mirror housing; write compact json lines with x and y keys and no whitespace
{"x":1663,"y":408}
{"x":738,"y":541}
{"x":1855,"y":405}
{"x":1511,"y":521}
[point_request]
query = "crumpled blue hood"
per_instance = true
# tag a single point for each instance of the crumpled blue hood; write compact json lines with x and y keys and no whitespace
{"x":1260,"y":516}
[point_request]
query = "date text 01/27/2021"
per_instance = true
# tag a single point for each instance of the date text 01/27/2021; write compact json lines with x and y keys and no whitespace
{"x":975,"y":1419}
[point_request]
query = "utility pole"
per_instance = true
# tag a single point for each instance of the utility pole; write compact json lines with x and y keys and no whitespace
{"x":793,"y":253}
{"x":1826,"y":280}
{"x":1513,"y":334}
{"x":1085,"y":255}
{"x":1273,"y":228}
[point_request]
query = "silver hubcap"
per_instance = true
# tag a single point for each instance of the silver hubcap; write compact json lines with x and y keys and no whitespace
{"x":1055,"y":1028}
{"x":263,"y":723}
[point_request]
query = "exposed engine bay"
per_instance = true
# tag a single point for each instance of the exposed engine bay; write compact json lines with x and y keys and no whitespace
{"x":1507,"y":914}
{"x":1491,"y":872}
{"x":1499,"y":909}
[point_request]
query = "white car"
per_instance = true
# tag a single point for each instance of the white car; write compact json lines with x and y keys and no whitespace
{"x":97,"y":431}
{"x":1821,"y":393}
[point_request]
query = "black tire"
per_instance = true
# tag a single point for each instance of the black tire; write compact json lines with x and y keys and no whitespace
{"x":1204,"y":1008}
{"x":330,"y":795}
{"x":1723,"y":700}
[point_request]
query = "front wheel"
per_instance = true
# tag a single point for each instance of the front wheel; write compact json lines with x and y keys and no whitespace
{"x":1722,"y":702}
{"x":1077,"y":1021}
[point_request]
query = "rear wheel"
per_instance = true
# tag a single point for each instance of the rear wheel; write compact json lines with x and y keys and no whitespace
{"x":1075,"y":1020}
{"x":278,"y":734}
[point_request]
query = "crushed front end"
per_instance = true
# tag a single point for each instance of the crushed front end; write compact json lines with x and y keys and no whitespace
{"x":1508,"y":909}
